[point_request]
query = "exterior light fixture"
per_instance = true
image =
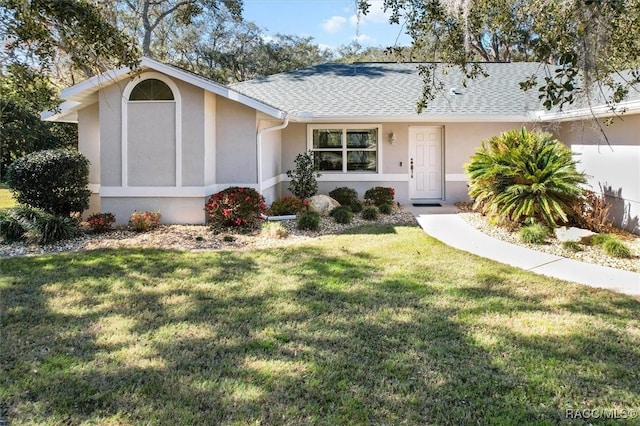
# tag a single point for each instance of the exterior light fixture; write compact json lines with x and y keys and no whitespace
{"x":392,"y":138}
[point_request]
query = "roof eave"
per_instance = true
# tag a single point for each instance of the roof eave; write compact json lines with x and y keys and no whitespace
{"x":495,"y":118}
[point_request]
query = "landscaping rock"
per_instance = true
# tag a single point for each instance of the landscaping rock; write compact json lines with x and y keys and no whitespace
{"x":322,"y":204}
{"x":572,"y":234}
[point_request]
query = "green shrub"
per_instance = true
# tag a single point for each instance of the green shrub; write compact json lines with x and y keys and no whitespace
{"x":287,"y":205}
{"x":309,"y":221}
{"x":53,"y":180}
{"x":380,"y":195}
{"x":600,"y":239}
{"x":572,"y":245}
{"x":370,"y":213}
{"x":534,"y":234}
{"x":342,"y":215}
{"x":520,"y":175}
{"x":274,"y":230}
{"x":10,"y":227}
{"x":385,"y":208}
{"x":36,"y":225}
{"x":144,"y":221}
{"x":101,"y":222}
{"x":235,"y":206}
{"x":303,"y":178}
{"x":357,"y":206}
{"x":344,"y":195}
{"x":616,"y":248}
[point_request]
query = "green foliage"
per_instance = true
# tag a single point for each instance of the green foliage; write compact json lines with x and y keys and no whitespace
{"x":600,"y":239}
{"x":309,"y":221}
{"x":523,"y":175}
{"x":28,"y":223}
{"x":274,"y":230}
{"x":144,"y":221}
{"x":342,"y":214}
{"x":357,"y":206}
{"x":287,"y":205}
{"x":370,"y":213}
{"x":236,"y":207}
{"x":344,"y":195}
{"x":616,"y":248}
{"x":534,"y":234}
{"x":385,"y":208}
{"x":572,"y":245}
{"x":303,"y":178}
{"x":380,"y":195}
{"x":54,"y":180}
{"x":101,"y":222}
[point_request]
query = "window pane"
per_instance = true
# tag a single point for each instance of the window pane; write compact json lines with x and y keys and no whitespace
{"x":365,"y":161}
{"x":327,"y":138}
{"x":328,"y":160}
{"x":151,"y":90}
{"x":366,"y":138}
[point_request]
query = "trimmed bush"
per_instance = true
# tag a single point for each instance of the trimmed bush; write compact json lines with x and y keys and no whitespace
{"x":52,"y":180}
{"x":303,"y":178}
{"x":370,"y":213}
{"x":380,"y":195}
{"x":342,"y":215}
{"x":274,"y":230}
{"x":144,"y":221}
{"x":101,"y":222}
{"x":309,"y":221}
{"x":357,"y":206}
{"x":385,"y":208}
{"x":236,"y":207}
{"x":522,"y":175}
{"x":344,"y":195}
{"x":534,"y":234}
{"x":287,"y":205}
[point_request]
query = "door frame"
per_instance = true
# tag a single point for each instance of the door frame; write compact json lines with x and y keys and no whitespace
{"x":410,"y":148}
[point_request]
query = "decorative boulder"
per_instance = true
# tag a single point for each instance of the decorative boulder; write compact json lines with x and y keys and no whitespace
{"x":322,"y":204}
{"x":572,"y":234}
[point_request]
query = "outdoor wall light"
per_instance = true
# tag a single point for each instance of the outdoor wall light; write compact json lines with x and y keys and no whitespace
{"x":392,"y":138}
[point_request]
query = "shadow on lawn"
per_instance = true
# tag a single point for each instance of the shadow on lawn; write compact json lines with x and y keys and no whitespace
{"x":296,"y":336}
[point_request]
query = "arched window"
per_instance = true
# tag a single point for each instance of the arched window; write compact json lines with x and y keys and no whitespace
{"x":151,"y":89}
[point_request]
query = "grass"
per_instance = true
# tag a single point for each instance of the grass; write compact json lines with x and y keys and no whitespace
{"x":386,"y":326}
{"x":6,"y":198}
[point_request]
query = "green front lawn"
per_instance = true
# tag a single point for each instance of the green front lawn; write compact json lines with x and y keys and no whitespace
{"x":384,"y":326}
{"x":6,"y":198}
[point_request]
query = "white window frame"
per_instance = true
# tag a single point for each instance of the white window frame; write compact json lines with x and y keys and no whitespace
{"x":344,"y":149}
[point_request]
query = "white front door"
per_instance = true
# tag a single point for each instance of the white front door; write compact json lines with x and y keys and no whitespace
{"x":425,"y":162}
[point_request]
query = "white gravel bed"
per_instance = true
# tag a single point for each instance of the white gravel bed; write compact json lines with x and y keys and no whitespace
{"x":195,"y":237}
{"x":588,"y":254}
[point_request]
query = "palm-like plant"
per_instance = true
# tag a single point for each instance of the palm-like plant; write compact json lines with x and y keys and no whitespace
{"x":521,"y":175}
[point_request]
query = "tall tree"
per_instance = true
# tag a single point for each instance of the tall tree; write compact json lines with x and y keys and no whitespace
{"x":588,"y":47}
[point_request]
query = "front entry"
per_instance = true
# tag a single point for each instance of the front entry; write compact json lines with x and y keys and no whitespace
{"x":425,"y":163}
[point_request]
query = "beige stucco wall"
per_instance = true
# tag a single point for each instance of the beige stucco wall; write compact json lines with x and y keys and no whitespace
{"x":612,"y":170}
{"x":172,"y":209}
{"x":111,"y":135}
{"x":193,"y":133}
{"x":235,"y":142}
{"x":89,"y":146}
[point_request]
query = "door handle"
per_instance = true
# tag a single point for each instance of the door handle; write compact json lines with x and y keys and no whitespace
{"x":411,"y":167}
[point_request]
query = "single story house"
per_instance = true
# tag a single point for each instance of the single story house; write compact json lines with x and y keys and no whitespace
{"x":165,"y":139}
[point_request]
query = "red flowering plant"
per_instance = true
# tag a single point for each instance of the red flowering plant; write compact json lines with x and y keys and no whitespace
{"x":101,"y":222}
{"x":380,"y":195}
{"x":236,"y":207}
{"x":288,"y":205}
{"x":144,"y":221}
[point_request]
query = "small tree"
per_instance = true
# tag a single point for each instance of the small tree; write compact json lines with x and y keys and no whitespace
{"x":53,"y":180}
{"x":303,"y":178}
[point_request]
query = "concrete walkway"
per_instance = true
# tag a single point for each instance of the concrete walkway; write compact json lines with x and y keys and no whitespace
{"x":445,"y":225}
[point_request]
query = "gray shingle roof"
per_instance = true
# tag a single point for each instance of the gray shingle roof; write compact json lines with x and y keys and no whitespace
{"x":392,"y":90}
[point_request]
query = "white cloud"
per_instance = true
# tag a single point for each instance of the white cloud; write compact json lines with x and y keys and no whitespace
{"x":334,"y":24}
{"x":363,"y":39}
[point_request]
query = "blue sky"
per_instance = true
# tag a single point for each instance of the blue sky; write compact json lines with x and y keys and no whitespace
{"x":330,"y":22}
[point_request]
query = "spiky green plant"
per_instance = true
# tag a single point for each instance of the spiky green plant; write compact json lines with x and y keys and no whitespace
{"x":522,"y":175}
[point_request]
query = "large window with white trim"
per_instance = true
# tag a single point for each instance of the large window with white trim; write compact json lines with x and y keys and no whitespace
{"x":345,"y":148}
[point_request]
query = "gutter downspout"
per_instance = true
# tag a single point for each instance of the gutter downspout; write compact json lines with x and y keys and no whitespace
{"x":284,"y":124}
